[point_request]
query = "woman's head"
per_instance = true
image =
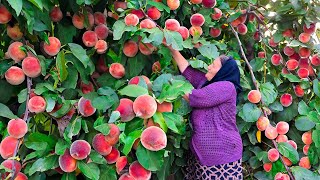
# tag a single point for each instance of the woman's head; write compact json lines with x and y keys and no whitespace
{"x":214,"y":68}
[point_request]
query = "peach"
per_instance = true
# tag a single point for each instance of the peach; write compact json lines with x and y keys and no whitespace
{"x":305,"y":149}
{"x":131,"y":20}
{"x":209,"y":3}
{"x":282,"y":127}
{"x":272,"y":43}
{"x":138,"y":172}
{"x":66,"y":162}
{"x":138,"y":12}
{"x":15,"y":51}
{"x":89,"y":38}
{"x":295,"y":56}
{"x":286,"y":161}
{"x":113,"y":156}
{"x":120,"y":4}
{"x":173,"y":4}
{"x":172,"y":25}
{"x":153,"y":13}
{"x":196,"y":1}
{"x":144,"y":106}
{"x":242,"y":29}
{"x":262,"y":123}
{"x":85,"y":107}
{"x":80,"y":149}
{"x":311,"y":70}
{"x":288,"y":51}
{"x":102,"y":31}
{"x":184,"y":32}
{"x":287,"y":33}
{"x":8,"y":146}
{"x":14,"y":75}
{"x":146,"y":48}
{"x":164,"y":107}
{"x":280,"y":176}
{"x":31,"y":67}
{"x":117,"y":70}
{"x":267,"y":167}
{"x":126,"y":176}
{"x":307,"y":138}
{"x":293,"y":144}
{"x":90,"y":19}
{"x":262,"y":54}
{"x":215,"y":32}
{"x":197,"y":19}
{"x":147,"y":23}
{"x":21,"y":176}
{"x":284,"y":71}
{"x":101,"y":46}
{"x":86,"y":88}
{"x":254,"y":96}
{"x":156,"y":67}
{"x":130,"y":48}
{"x":304,"y":63}
{"x":8,"y":164}
{"x":311,"y":29}
{"x":37,"y":104}
{"x":271,"y":132}
{"x":78,"y":21}
{"x":240,"y":20}
{"x":217,"y":14}
{"x":195,"y":31}
{"x":251,"y":17}
{"x":303,"y":73}
{"x":53,"y":47}
{"x":315,"y":60}
{"x":273,"y":155}
{"x":304,"y":37}
{"x":99,"y":18}
{"x":282,"y":138}
{"x":286,"y":99}
{"x":298,"y":91}
{"x":135,"y":80}
{"x":276,"y":59}
{"x":17,"y":128}
{"x":101,"y":66}
{"x":292,"y":64}
{"x":304,"y":52}
{"x":154,"y":138}
{"x":101,"y":145}
{"x":14,"y":32}
{"x":126,"y":109}
{"x":113,"y":137}
{"x":56,"y":14}
{"x":121,"y":163}
{"x":256,"y":36}
{"x":305,"y":162}
{"x":5,"y":15}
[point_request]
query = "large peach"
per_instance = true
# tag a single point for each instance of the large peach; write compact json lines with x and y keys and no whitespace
{"x":130,"y":48}
{"x":102,"y":31}
{"x":288,"y":33}
{"x":271,"y":132}
{"x":307,"y":138}
{"x":113,"y":137}
{"x":303,"y":73}
{"x":117,"y":70}
{"x":131,"y":20}
{"x":10,"y":164}
{"x":113,"y":156}
{"x":66,"y":162}
{"x":172,"y":25}
{"x":14,"y":32}
{"x":144,"y":106}
{"x":31,"y":67}
{"x":147,"y":23}
{"x":37,"y":104}
{"x":126,"y":109}
{"x":311,"y":29}
{"x":121,"y":163}
{"x":154,"y":138}
{"x":276,"y":59}
{"x":286,"y":161}
{"x":197,"y":19}
{"x":286,"y":99}
{"x":85,"y":107}
{"x":304,"y":37}
{"x":282,"y":127}
{"x":101,"y":145}
{"x":215,"y":32}
{"x":295,"y":56}
{"x":254,"y":96}
{"x":304,"y":52}
{"x":14,"y":75}
{"x":86,"y":88}
{"x":164,"y":107}
{"x":173,"y":4}
{"x":99,"y":18}
{"x":8,"y":146}
{"x":262,"y":123}
{"x":292,"y":64}
{"x":154,"y":13}
{"x":78,"y":21}
{"x":15,"y":51}
{"x":305,"y":162}
{"x":56,"y":14}
{"x":137,"y":171}
{"x":5,"y":15}
{"x":273,"y":155}
{"x":21,"y":176}
{"x":53,"y":47}
{"x":80,"y":149}
{"x":209,"y":3}
{"x":89,"y":38}
{"x":272,"y":43}
{"x":17,"y":128}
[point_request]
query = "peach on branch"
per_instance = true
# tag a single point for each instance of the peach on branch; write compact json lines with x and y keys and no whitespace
{"x":295,"y":56}
{"x":21,"y":176}
{"x":195,"y":31}
{"x":17,"y":128}
{"x":304,"y":52}
{"x":147,"y":24}
{"x":9,"y":164}
{"x":184,"y":32}
{"x":217,"y":14}
{"x":86,"y":88}
{"x":89,"y":38}
{"x":90,"y":19}
{"x":305,"y":162}
{"x":113,"y":156}
{"x":8,"y":146}
{"x":101,"y":66}
{"x":99,"y":18}
{"x":130,"y":48}
{"x":293,"y":144}
{"x":37,"y":104}
{"x":5,"y":15}
{"x":292,"y":64}
{"x":276,"y":59}
{"x":154,"y":13}
{"x":131,"y":20}
{"x":113,"y":137}
{"x":315,"y":60}
{"x":281,"y":176}
{"x":53,"y":47}
{"x":121,"y":163}
{"x":256,"y":36}
{"x":307,"y":138}
{"x":80,"y":149}
{"x":287,"y":33}
{"x":311,"y":29}
{"x":215,"y":32}
{"x":146,"y":48}
{"x":173,"y":4}
{"x":262,"y":54}
{"x":242,"y":29}
{"x":156,"y":67}
{"x":197,"y":19}
{"x":120,"y":5}
{"x":304,"y":37}
{"x":138,"y":12}
{"x":66,"y":162}
{"x":209,"y":3}
{"x":102,"y":31}
{"x":154,"y":138}
{"x":262,"y":123}
{"x":164,"y":107}
{"x":172,"y":25}
{"x":282,"y":127}
{"x":286,"y":161}
{"x":117,"y":70}
{"x":15,"y":51}
{"x":286,"y":99}
{"x":31,"y":67}
{"x":78,"y":21}
{"x":298,"y":91}
{"x":101,"y":145}
{"x":305,"y":149}
{"x":267,"y":167}
{"x":137,"y":171}
{"x":288,"y":51}
{"x":271,"y":132}
{"x":303,"y":73}
{"x":101,"y":46}
{"x":272,"y":43}
{"x":273,"y":155}
{"x":14,"y":32}
{"x":144,"y":106}
{"x":14,"y":75}
{"x":254,"y":96}
{"x":85,"y":107}
{"x":282,"y":138}
{"x":56,"y":14}
{"x":126,"y":109}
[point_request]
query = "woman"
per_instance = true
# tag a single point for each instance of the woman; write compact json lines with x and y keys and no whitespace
{"x":216,"y":144}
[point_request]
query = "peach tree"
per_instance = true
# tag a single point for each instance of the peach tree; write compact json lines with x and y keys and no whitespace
{"x":89,"y":88}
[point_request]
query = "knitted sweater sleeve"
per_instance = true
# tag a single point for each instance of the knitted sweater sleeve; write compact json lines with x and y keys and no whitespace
{"x":212,"y":95}
{"x":194,"y":76}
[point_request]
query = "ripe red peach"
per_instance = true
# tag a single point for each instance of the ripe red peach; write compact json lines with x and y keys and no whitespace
{"x":282,"y":127}
{"x":144,"y":106}
{"x":172,"y":25}
{"x":293,"y":144}
{"x":304,"y":52}
{"x":262,"y":123}
{"x":37,"y":104}
{"x":286,"y":99}
{"x":273,"y":155}
{"x":173,"y":4}
{"x":304,"y":63}
{"x":298,"y":91}
{"x":217,"y":14}
{"x":156,"y":67}
{"x":197,"y":19}
{"x":267,"y":167}
{"x":209,"y":3}
{"x":276,"y":59}
{"x":153,"y":13}
{"x":14,"y":75}
{"x":303,"y":73}
{"x":251,"y":17}
{"x":121,"y":163}
{"x":288,"y":51}
{"x":196,"y":1}
{"x":240,"y":20}
{"x":254,"y":96}
{"x":89,"y":38}
{"x":288,"y":33}
{"x":295,"y":56}
{"x":102,"y":31}
{"x":66,"y":162}
{"x":126,"y":176}
{"x":117,"y":70}
{"x":9,"y":163}
{"x":242,"y":29}
{"x":15,"y":51}
{"x":311,"y":29}
{"x":282,"y":138}
{"x":21,"y":176}
{"x":56,"y":14}
{"x":31,"y":67}
{"x":113,"y":137}
{"x":184,"y":32}
{"x":99,"y":18}
{"x":137,"y":171}
{"x":113,"y":156}
{"x":146,"y":48}
{"x":315,"y":60}
{"x":80,"y":149}
{"x":292,"y":64}
{"x":195,"y":31}
{"x":256,"y":36}
{"x":154,"y":138}
{"x":101,"y":145}
{"x":78,"y":21}
{"x":53,"y":47}
{"x":120,"y":4}
{"x":85,"y":107}
{"x":131,"y":20}
{"x":286,"y":161}
{"x":86,"y":88}
{"x":17,"y":128}
{"x":135,"y":80}
{"x":101,"y":46}
{"x":306,"y":149}
{"x":126,"y":109}
{"x":262,"y":54}
{"x":304,"y":37}
{"x":8,"y":146}
{"x":14,"y":32}
{"x":215,"y":32}
{"x":271,"y":132}
{"x":130,"y":48}
{"x":281,"y":176}
{"x":5,"y":15}
{"x":138,"y":12}
{"x":164,"y":107}
{"x":272,"y":43}
{"x":305,"y":162}
{"x":307,"y":138}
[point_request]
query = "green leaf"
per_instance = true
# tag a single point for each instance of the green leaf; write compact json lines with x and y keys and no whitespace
{"x":316,"y":138}
{"x":295,"y":43}
{"x":158,"y":118}
{"x":61,"y":66}
{"x":303,"y":123}
{"x":316,"y":87}
{"x":39,"y":137}
{"x":129,"y":141}
{"x":115,"y":115}
{"x":37,"y":3}
{"x":6,"y":112}
{"x":118,"y":29}
{"x":73,"y":128}
{"x":268,"y":93}
{"x":61,"y":146}
{"x":44,"y":164}
{"x":151,"y":160}
{"x":155,"y":37}
{"x":108,"y":173}
{"x":172,"y":90}
{"x":303,"y":108}
{"x":209,"y":51}
{"x":288,"y":151}
{"x":288,"y":113}
{"x":69,"y":176}
{"x":79,"y":53}
{"x":160,"y":6}
{"x":257,"y":64}
{"x":102,"y":103}
{"x":291,"y":77}
{"x":16,"y":5}
{"x":66,"y":32}
{"x":133,"y":90}
{"x":303,"y":174}
{"x":102,"y":126}
{"x":251,"y":112}
{"x":174,"y":39}
{"x":175,"y":122}
{"x":97,"y":158}
{"x":314,"y":116}
{"x":72,"y":78}
{"x":90,"y":170}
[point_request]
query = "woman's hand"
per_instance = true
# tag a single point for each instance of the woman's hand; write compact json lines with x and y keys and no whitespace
{"x":186,"y":97}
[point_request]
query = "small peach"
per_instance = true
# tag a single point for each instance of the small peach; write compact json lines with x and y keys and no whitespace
{"x":14,"y":75}
{"x":305,"y":162}
{"x":131,"y":20}
{"x":282,"y":127}
{"x":254,"y":96}
{"x":85,"y":107}
{"x":273,"y":155}
{"x":15,"y":51}
{"x":271,"y":132}
{"x":56,"y":14}
{"x":262,"y":123}
{"x":307,"y":138}
{"x":286,"y":99}
{"x":117,"y":70}
{"x":17,"y":128}
{"x":53,"y":47}
{"x":37,"y":104}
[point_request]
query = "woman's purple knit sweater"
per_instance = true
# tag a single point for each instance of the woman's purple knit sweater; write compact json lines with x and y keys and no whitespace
{"x":216,"y":139}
